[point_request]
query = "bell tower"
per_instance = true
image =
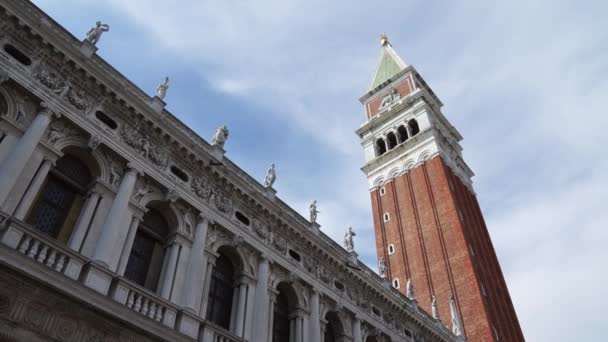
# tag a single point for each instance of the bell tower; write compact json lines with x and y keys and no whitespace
{"x":428,"y":225}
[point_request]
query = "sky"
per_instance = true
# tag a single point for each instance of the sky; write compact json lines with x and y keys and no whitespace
{"x":525,"y":83}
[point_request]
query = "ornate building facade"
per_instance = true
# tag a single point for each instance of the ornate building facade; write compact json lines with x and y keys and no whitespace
{"x":430,"y":232}
{"x":119,"y":223}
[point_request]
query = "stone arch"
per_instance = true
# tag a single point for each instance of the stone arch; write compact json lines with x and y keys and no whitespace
{"x":424,"y":156}
{"x":394,"y":173}
{"x":92,"y":161}
{"x":233,"y":252}
{"x":168,"y":213}
{"x":77,"y":140}
{"x":11,"y":105}
{"x":409,"y":164}
{"x":335,"y":327}
{"x":378,"y":181}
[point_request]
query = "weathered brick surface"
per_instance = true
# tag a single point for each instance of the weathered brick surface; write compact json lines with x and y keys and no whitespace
{"x":435,"y":221}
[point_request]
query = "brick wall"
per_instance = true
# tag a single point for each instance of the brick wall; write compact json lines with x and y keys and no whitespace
{"x":442,"y":244}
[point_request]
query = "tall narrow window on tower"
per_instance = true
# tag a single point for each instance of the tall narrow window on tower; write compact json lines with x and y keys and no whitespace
{"x":380,"y":147}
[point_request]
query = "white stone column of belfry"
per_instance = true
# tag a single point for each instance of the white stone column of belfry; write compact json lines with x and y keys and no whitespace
{"x":239,"y":321}
{"x":19,"y":155}
{"x":166,"y":284}
{"x":207,"y":276}
{"x":195,"y":271}
{"x":84,"y":220}
{"x":126,"y":250}
{"x":261,"y":304}
{"x":110,"y":231}
{"x":357,"y":336}
{"x":33,"y":189}
{"x":315,"y":321}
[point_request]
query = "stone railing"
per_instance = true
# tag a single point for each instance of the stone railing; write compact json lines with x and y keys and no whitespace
{"x":213,"y":333}
{"x":143,"y":302}
{"x":56,"y":256}
{"x":35,"y":245}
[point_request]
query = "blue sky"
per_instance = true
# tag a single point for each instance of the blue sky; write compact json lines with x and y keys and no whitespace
{"x":525,"y":82}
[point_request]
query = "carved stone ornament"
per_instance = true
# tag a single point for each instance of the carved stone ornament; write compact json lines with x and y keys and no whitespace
{"x":278,"y":242}
{"x":201,"y":188}
{"x":261,"y":229}
{"x":142,"y":190}
{"x":134,"y":139}
{"x":60,"y":129}
{"x":61,"y":87}
{"x":94,"y":142}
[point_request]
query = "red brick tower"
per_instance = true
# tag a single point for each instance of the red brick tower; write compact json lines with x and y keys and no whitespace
{"x":427,"y":221}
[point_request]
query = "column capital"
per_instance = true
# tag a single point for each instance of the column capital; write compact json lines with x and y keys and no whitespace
{"x":45,"y":109}
{"x":51,"y":160}
{"x":201,"y":219}
{"x":135,"y":169}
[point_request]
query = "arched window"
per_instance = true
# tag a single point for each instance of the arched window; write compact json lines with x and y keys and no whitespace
{"x":380,"y":147}
{"x":414,"y":129}
{"x":392,"y":140}
{"x":333,"y":329}
{"x":220,"y":292}
{"x":402,"y":131}
{"x":58,"y":204}
{"x":147,"y":253}
{"x":329,"y":335}
{"x":280,"y":320}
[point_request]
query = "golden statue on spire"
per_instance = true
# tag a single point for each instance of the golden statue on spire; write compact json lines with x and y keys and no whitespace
{"x":383,"y":39}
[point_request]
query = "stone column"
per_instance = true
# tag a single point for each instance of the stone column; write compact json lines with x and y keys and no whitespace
{"x":166,"y":283}
{"x":261,"y":305}
{"x":272,"y":298}
{"x":84,"y":220}
{"x":249,"y":311}
{"x":19,"y":155}
{"x":235,"y":299}
{"x":195,"y":271}
{"x":207,"y":277}
{"x":315,"y":321}
{"x":110,"y":230}
{"x":299,"y":325}
{"x":357,"y":330}
{"x":323,"y":326}
{"x":126,"y":250}
{"x":33,"y":189}
{"x":240,"y":311}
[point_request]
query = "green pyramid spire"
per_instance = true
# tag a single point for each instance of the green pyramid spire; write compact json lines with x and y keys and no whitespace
{"x":389,"y":64}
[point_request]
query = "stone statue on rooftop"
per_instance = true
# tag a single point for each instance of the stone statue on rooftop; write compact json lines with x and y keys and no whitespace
{"x":456,"y":324}
{"x":95,"y":32}
{"x":270,"y":177}
{"x":410,"y":289}
{"x":382,"y":267}
{"x":220,"y":137}
{"x":349,"y":243}
{"x":434,"y":308}
{"x":313,"y":212}
{"x":161,"y":90}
